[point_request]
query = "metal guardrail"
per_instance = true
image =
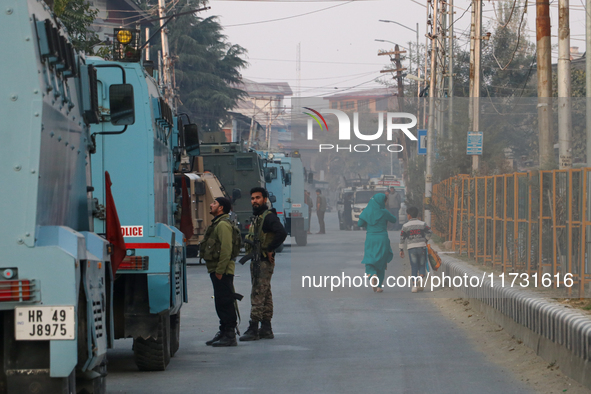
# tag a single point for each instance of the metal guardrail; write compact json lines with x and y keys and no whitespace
{"x":558,"y":324}
{"x":533,"y":222}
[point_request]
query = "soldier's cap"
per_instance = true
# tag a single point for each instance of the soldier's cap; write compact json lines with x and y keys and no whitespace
{"x":225,"y":203}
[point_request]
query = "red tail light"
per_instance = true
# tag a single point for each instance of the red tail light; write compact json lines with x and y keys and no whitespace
{"x":247,"y":226}
{"x":15,"y":290}
{"x":134,"y":263}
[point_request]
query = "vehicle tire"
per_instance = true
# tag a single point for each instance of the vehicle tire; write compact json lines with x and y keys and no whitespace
{"x":280,"y":248}
{"x":175,"y":333}
{"x":95,"y":386}
{"x":302,"y":238}
{"x":153,"y":354}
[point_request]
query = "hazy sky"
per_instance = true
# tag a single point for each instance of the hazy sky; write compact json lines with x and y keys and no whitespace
{"x":338,"y":47}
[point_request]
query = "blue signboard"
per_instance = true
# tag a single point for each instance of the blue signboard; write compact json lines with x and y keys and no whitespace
{"x":422,"y":143}
{"x":474,"y":143}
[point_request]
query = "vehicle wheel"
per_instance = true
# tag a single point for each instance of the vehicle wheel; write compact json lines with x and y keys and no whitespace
{"x":280,"y":248}
{"x":302,"y":238}
{"x":175,"y":333}
{"x":153,"y":354}
{"x":97,"y":385}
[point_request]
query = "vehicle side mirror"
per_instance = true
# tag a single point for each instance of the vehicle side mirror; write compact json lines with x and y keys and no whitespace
{"x":236,"y":194}
{"x":310,"y":177}
{"x":288,"y":179}
{"x":191,"y":132}
{"x":121,"y":104}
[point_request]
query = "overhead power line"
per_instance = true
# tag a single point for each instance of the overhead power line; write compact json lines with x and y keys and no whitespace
{"x":289,"y":17}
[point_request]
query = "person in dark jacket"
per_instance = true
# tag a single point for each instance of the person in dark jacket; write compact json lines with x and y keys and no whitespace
{"x":320,"y":210}
{"x":216,"y":250}
{"x":271,"y":234}
{"x":348,"y":212}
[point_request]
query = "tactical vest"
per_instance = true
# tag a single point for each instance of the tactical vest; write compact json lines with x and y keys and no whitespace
{"x":256,"y":227}
{"x":210,"y":248}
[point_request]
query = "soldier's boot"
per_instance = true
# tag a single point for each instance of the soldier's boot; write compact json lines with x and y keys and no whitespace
{"x":266,"y":332}
{"x":216,"y":338}
{"x":252,"y":333}
{"x":228,"y":338}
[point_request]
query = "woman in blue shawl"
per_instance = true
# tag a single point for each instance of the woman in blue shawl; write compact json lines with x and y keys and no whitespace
{"x":378,"y":252}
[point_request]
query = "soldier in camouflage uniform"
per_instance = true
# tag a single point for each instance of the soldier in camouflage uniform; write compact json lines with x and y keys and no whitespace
{"x":271,"y":234}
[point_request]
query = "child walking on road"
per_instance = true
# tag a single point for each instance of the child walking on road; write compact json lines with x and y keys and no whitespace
{"x":415,"y":234}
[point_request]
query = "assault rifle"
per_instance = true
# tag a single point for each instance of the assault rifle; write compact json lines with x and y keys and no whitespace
{"x":254,"y":256}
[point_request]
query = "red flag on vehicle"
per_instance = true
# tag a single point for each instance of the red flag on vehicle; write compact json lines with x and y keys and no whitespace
{"x":114,"y":235}
{"x":186,"y":220}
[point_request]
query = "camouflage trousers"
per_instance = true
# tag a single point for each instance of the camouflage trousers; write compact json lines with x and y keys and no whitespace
{"x":261,"y":298}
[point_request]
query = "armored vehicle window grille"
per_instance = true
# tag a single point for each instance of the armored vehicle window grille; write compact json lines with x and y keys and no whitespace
{"x":63,"y":50}
{"x":49,"y":32}
{"x":93,"y":115}
{"x":72,"y":59}
{"x":166,"y":111}
{"x":97,"y":311}
{"x":244,"y":163}
{"x":177,"y":282}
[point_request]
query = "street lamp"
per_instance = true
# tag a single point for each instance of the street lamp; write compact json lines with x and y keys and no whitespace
{"x":391,"y":42}
{"x":416,"y":31}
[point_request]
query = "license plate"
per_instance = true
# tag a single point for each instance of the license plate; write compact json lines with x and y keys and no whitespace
{"x":44,"y":323}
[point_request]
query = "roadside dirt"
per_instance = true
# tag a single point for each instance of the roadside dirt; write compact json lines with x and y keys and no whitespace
{"x":505,"y":350}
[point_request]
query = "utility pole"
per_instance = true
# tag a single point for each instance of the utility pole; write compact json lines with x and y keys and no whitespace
{"x":166,"y":74}
{"x":402,"y":138}
{"x":423,"y":103}
{"x":441,"y":68}
{"x":431,"y":130}
{"x":476,"y":39}
{"x":398,"y":70}
{"x":450,"y":68}
{"x":544,"y":72}
{"x":252,"y":125}
{"x":418,"y":62}
{"x":147,"y":46}
{"x":564,"y":88}
{"x":471,"y":69}
{"x":588,"y":76}
{"x":298,"y":69}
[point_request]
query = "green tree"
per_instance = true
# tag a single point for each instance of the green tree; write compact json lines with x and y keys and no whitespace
{"x":207,"y":68}
{"x":77,"y":16}
{"x":508,"y":58}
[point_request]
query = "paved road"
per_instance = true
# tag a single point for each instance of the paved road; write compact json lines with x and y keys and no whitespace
{"x":350,"y":341}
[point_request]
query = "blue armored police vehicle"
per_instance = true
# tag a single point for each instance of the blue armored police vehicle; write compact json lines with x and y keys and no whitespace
{"x":55,"y":271}
{"x":284,"y":177}
{"x":135,"y":141}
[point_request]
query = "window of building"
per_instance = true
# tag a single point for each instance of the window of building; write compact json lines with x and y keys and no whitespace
{"x":362,"y":105}
{"x":382,"y":104}
{"x":347,"y":105}
{"x":334,"y":104}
